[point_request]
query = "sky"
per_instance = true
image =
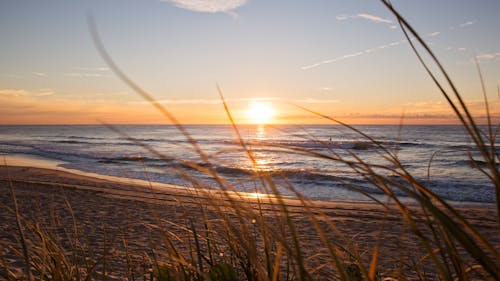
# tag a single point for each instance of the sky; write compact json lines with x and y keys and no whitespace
{"x":347,"y":59}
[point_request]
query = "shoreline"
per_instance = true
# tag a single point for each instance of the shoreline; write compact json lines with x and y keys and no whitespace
{"x":132,"y":189}
{"x":160,"y":193}
{"x":35,"y":161}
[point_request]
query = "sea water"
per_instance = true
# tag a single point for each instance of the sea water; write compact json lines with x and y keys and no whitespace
{"x":311,"y":158}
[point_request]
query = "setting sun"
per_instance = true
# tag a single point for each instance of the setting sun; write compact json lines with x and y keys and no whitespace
{"x":260,"y":113}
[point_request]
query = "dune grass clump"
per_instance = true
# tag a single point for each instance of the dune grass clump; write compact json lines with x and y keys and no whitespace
{"x":224,"y":236}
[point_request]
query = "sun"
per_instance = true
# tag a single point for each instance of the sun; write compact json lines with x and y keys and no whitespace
{"x":260,"y":113}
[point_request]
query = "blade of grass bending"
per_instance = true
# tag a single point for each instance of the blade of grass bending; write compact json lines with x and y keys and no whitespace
{"x":407,"y":216}
{"x":198,"y":249}
{"x":277,"y":262}
{"x":467,"y":121}
{"x":373,"y":264}
{"x":458,"y":233}
{"x":263,"y":178}
{"x":207,"y":236}
{"x":473,"y":130}
{"x":438,"y":239}
{"x":488,"y":115}
{"x":424,"y":190}
{"x":221,"y":183}
{"x":454,"y":255}
{"x":162,"y":109}
{"x":466,"y":241}
{"x":107,"y":58}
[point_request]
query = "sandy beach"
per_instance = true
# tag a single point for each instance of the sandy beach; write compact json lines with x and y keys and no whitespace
{"x":105,"y":215}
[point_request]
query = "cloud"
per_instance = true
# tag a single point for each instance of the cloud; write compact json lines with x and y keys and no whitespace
{"x":208,"y":6}
{"x":325,"y":89}
{"x":43,"y":93}
{"x":465,"y":24}
{"x":373,"y":18}
{"x":328,"y":61}
{"x":192,"y":101}
{"x":39,"y":74}
{"x":348,"y":56}
{"x":88,"y":75}
{"x":378,"y":19}
{"x":92,"y":69}
{"x":311,"y":100}
{"x":468,"y":23}
{"x":89,"y":72}
{"x":16,"y":93}
{"x":489,"y":56}
{"x":476,"y":107}
{"x":12,"y":93}
{"x":202,"y":101}
{"x":238,"y":100}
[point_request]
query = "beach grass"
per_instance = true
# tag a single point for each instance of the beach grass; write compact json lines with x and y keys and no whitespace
{"x":205,"y":235}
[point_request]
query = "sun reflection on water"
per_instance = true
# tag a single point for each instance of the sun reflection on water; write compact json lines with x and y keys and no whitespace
{"x":260,"y":132}
{"x":256,"y":195}
{"x":262,"y":162}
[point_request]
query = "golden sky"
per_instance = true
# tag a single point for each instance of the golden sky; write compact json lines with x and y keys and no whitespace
{"x":345,"y":59}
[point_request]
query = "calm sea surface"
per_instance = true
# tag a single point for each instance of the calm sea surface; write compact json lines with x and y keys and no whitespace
{"x":445,"y":149}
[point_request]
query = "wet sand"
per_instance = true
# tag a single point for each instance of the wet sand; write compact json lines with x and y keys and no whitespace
{"x":106,"y":213}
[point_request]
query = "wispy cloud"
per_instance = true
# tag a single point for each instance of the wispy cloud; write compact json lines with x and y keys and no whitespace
{"x":204,"y":101}
{"x":352,"y":55}
{"x":192,"y":101}
{"x":43,"y":93}
{"x":476,"y":106}
{"x":311,"y":100}
{"x":39,"y":74}
{"x":86,"y":75}
{"x":328,"y":61}
{"x":467,"y":23}
{"x":208,"y":6}
{"x":434,"y":34}
{"x":12,"y":93}
{"x":238,"y":100}
{"x":488,"y":56}
{"x":372,"y":18}
{"x":88,"y":72}
{"x":325,"y":89}
{"x":80,"y":68}
{"x":378,"y":19}
{"x":25,"y":93}
{"x":464,"y":24}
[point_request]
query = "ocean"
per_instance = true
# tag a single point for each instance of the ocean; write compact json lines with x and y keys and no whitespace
{"x":441,"y":157}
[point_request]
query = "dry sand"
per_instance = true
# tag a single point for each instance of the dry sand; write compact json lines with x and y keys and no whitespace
{"x":107,"y":212}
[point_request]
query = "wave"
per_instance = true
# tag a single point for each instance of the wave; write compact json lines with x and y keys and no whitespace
{"x":334,"y":144}
{"x":71,"y":142}
{"x":474,"y":163}
{"x":135,"y":158}
{"x":83,"y":138}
